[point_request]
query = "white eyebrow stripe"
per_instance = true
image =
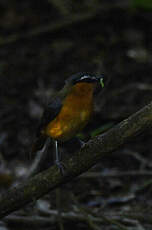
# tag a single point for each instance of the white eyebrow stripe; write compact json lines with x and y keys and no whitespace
{"x":85,"y":77}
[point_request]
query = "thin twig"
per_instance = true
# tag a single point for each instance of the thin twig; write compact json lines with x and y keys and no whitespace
{"x":114,"y":173}
{"x":59,"y":208}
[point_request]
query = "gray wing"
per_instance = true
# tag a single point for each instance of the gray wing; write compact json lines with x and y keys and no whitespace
{"x":50,"y":112}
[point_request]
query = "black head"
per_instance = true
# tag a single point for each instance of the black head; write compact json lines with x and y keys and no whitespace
{"x":85,"y":77}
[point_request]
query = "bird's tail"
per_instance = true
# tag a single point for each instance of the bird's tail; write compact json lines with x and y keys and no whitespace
{"x":38,"y":143}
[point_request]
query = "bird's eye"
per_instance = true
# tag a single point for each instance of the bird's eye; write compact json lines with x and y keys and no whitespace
{"x":101,"y":82}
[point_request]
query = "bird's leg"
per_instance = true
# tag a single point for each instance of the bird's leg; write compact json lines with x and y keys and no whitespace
{"x":57,"y":160}
{"x":56,"y":152}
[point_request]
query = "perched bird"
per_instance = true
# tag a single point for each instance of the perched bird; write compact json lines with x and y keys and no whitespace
{"x":68,"y":112}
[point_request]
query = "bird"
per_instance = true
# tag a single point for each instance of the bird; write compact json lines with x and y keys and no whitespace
{"x":68,"y":112}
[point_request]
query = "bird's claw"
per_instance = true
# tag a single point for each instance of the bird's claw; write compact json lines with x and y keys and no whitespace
{"x":60,"y":166}
{"x":82,"y":143}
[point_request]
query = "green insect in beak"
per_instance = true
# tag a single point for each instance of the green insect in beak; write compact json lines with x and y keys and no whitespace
{"x":101,"y":82}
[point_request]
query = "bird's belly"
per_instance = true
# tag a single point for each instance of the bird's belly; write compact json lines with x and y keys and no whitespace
{"x":68,"y":124}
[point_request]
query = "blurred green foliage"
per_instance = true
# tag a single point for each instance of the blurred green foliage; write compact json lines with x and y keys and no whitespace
{"x":144,"y":4}
{"x":101,"y":129}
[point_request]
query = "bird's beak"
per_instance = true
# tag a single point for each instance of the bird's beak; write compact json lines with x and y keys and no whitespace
{"x":102,"y":82}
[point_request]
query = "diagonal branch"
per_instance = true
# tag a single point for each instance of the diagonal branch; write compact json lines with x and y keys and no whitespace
{"x":88,"y":156}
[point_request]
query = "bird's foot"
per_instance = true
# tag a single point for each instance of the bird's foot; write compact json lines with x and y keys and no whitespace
{"x":82,"y":143}
{"x":60,"y":166}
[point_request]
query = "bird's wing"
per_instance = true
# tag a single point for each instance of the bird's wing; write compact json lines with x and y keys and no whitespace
{"x":50,"y":112}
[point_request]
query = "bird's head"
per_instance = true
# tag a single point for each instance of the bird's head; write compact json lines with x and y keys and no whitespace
{"x":86,"y":78}
{"x":83,"y":81}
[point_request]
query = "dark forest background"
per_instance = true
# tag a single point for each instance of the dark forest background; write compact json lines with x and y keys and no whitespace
{"x":41,"y":44}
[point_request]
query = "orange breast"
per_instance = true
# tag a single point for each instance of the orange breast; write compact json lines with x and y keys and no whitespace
{"x":75,"y":113}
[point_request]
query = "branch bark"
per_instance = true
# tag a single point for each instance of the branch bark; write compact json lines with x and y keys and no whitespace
{"x":88,"y":156}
